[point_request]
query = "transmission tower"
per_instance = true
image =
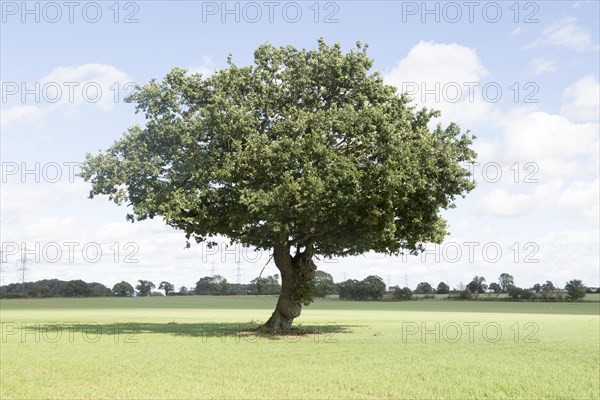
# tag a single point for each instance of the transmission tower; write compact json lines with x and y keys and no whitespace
{"x":211,"y":269}
{"x":23,"y":268}
{"x":238,"y":272}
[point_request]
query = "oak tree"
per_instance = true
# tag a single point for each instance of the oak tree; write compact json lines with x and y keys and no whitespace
{"x":304,"y":153}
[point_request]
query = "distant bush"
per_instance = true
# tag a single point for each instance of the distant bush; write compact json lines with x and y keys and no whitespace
{"x":402,"y":294}
{"x":517,"y":293}
{"x":514,"y":292}
{"x":370,"y":288}
{"x":11,"y":295}
{"x":268,"y":285}
{"x":527,"y":295}
{"x":466,"y":294}
{"x":550,"y":297}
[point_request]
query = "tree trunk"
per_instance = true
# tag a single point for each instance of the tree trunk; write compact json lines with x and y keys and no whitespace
{"x":297,"y":275}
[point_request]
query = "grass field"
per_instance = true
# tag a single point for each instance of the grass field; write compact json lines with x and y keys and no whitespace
{"x":196,"y":347}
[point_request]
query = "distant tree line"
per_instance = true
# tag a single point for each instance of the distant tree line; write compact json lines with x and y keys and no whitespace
{"x":55,"y":288}
{"x":215,"y":285}
{"x":573,"y":290}
{"x":371,"y":288}
{"x":208,"y":285}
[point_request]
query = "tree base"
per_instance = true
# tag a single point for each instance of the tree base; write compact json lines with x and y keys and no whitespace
{"x":278,"y":324}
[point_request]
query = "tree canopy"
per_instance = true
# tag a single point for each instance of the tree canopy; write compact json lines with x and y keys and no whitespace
{"x":167,"y":287}
{"x":123,"y":289}
{"x":443,"y":288}
{"x":477,"y":285}
{"x":575,"y":289}
{"x":324,"y":284}
{"x":424,"y":288}
{"x":214,"y":285}
{"x":506,"y":280}
{"x":267,"y":285}
{"x":281,"y":147}
{"x":145,"y":287}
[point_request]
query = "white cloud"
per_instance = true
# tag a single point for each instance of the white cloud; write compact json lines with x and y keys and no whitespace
{"x":501,"y":203}
{"x":540,"y":66}
{"x":583,"y":197}
{"x":580,"y":196}
{"x":98,"y":84}
{"x":565,"y":154}
{"x":207,"y":68}
{"x":517,"y":31}
{"x":571,"y":237}
{"x":565,"y":33}
{"x":26,"y":116}
{"x":24,"y":203}
{"x":437,"y":62}
{"x":583,"y":3}
{"x":445,"y":77}
{"x":569,"y":254}
{"x":537,"y":135}
{"x":582,"y":100}
{"x":65,"y":90}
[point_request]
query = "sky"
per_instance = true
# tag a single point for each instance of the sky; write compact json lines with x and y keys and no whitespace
{"x":521,"y":76}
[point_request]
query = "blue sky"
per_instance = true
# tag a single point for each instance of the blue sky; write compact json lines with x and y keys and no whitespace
{"x":542,"y":56}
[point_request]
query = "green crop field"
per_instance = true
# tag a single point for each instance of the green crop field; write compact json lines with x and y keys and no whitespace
{"x":200,"y":347}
